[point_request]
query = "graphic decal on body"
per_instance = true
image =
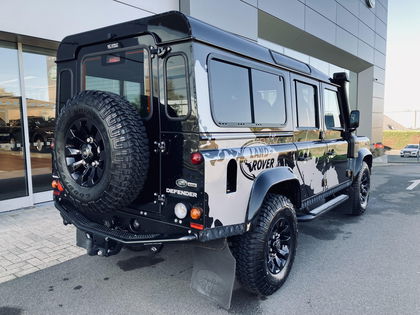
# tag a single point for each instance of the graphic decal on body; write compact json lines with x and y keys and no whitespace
{"x":257,"y":156}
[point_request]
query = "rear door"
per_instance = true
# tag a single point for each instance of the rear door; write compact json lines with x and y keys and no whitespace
{"x":311,"y":149}
{"x":337,"y":147}
{"x":126,"y":68}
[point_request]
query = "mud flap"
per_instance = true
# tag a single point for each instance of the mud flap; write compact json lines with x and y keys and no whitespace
{"x":214,"y":271}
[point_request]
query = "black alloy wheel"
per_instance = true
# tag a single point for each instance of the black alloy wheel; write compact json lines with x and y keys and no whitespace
{"x":360,"y":190}
{"x":279,"y":245}
{"x":265,"y":254}
{"x":85,"y":152}
{"x":364,"y":188}
{"x":101,"y":152}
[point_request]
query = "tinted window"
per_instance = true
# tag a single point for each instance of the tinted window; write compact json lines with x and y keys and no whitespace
{"x":176,"y":87}
{"x":331,"y":110}
{"x":230,"y":93}
{"x":269,"y":102}
{"x":306,"y":105}
{"x":124,"y":73}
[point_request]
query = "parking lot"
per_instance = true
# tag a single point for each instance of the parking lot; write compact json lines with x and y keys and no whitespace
{"x":344,"y":265}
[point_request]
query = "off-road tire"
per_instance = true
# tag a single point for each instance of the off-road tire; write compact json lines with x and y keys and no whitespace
{"x":251,"y":248}
{"x":126,"y":151}
{"x":357,"y":205}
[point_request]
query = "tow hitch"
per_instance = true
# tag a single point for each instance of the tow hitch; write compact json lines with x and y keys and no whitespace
{"x":96,"y":245}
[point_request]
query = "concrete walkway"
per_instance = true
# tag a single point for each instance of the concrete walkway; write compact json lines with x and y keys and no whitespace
{"x":32,"y":239}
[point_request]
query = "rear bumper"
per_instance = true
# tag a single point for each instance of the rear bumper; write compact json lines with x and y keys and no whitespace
{"x":127,"y":238}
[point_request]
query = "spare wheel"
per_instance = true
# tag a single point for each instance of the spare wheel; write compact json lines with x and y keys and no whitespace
{"x":101,"y":151}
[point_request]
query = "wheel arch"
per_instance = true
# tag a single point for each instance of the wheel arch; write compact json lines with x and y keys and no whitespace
{"x":280,"y":180}
{"x":364,"y":155}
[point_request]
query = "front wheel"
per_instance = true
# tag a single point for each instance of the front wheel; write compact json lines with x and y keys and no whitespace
{"x":360,"y":191}
{"x":265,"y":255}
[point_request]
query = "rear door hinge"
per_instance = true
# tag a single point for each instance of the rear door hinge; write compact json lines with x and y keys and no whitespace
{"x":159,"y":198}
{"x":160,"y":146}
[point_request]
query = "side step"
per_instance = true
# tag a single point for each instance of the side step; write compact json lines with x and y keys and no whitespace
{"x":317,"y":212}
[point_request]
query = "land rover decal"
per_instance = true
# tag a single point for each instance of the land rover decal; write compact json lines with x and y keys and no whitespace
{"x":255,"y":157}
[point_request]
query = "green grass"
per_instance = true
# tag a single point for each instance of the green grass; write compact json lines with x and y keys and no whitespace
{"x":398,"y":139}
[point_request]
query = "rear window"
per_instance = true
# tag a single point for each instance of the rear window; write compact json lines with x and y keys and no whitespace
{"x":126,"y":73}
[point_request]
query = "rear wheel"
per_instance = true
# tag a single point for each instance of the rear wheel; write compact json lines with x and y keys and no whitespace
{"x":265,"y":254}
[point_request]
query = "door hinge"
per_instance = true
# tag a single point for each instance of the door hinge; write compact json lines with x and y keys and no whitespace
{"x":159,"y":198}
{"x":160,"y":146}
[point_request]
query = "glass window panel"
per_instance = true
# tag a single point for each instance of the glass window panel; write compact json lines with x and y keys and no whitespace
{"x":123,"y":73}
{"x":306,"y":105}
{"x":331,"y":110}
{"x":230,"y":93}
{"x":40,"y":91}
{"x":176,"y":87}
{"x":269,"y":100}
{"x":13,"y":182}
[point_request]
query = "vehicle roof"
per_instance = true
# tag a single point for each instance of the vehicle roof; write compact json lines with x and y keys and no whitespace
{"x":175,"y":26}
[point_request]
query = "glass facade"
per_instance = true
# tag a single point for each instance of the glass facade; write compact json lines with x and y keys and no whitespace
{"x":27,"y":115}
{"x":39,"y":70}
{"x":13,"y":176}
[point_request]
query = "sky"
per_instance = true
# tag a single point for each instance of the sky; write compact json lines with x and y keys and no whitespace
{"x":402,"y":82}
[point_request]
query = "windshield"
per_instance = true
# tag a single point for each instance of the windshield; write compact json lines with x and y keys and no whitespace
{"x":412,"y":146}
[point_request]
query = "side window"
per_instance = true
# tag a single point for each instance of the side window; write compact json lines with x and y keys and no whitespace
{"x":269,"y":99}
{"x":177,"y":103}
{"x":331,"y":110}
{"x":306,"y":105}
{"x":230,"y":93}
{"x":125,"y":73}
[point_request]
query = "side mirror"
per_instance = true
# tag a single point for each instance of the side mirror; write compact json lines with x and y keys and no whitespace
{"x":354,"y":119}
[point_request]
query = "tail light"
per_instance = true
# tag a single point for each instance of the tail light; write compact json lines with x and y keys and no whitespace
{"x":197,"y":158}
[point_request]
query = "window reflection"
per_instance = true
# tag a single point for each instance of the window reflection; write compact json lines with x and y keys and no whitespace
{"x":40,"y":92}
{"x":12,"y":159}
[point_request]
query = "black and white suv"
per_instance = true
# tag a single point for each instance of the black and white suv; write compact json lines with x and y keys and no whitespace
{"x":171,"y":130}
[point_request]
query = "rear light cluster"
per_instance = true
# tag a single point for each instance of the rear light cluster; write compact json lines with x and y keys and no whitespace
{"x":197,"y":158}
{"x":181,"y":212}
{"x":58,"y":188}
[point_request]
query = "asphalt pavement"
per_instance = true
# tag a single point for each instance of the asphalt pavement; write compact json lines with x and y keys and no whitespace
{"x":344,"y":265}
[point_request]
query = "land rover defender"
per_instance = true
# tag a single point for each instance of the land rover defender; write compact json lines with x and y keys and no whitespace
{"x":171,"y":130}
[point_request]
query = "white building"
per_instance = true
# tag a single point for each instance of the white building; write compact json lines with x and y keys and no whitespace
{"x":331,"y":35}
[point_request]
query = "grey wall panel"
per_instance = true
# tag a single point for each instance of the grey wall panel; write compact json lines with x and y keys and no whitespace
{"x":234,"y":16}
{"x":381,"y":13}
{"x":319,"y":26}
{"x":384,"y":3}
{"x":366,"y":34}
{"x":290,"y":11}
{"x":366,"y":15}
{"x":380,"y":44}
{"x":251,"y":2}
{"x":380,"y":28}
{"x":346,"y":41}
{"x":327,"y":8}
{"x":53,"y":20}
{"x":379,"y":59}
{"x":365,"y":51}
{"x":378,"y":105}
{"x":347,"y":20}
{"x":379,"y":75}
{"x":351,"y":5}
{"x":378,"y":90}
